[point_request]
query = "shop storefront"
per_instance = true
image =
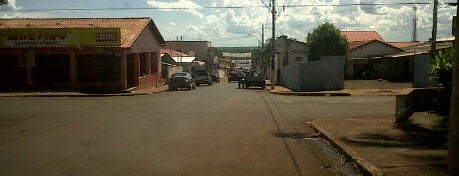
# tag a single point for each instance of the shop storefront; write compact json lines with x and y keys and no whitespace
{"x":100,"y":55}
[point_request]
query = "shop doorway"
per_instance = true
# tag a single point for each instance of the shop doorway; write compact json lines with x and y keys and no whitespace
{"x":12,"y":74}
{"x":52,"y":70}
{"x":131,"y":71}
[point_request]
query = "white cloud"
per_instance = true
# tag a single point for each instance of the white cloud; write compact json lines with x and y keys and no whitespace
{"x":194,"y":19}
{"x":186,"y":5}
{"x":11,"y":5}
{"x":10,"y":11}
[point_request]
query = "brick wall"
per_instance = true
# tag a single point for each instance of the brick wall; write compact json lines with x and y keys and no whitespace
{"x":149,"y":81}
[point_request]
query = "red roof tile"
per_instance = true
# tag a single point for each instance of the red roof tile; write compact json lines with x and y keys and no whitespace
{"x":173,"y":53}
{"x":359,"y":36}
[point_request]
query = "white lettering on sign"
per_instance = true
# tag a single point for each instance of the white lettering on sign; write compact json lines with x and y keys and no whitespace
{"x":106,"y":37}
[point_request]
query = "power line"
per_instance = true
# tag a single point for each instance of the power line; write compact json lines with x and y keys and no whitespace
{"x":264,"y":3}
{"x":220,"y":7}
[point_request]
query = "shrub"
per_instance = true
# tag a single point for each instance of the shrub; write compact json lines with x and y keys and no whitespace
{"x":441,"y":69}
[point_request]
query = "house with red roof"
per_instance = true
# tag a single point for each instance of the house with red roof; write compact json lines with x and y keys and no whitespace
{"x":413,"y":64}
{"x":358,"y":36}
{"x":366,"y":49}
{"x":169,"y":64}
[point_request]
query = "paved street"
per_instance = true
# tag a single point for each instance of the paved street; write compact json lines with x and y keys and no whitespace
{"x":213,"y":130}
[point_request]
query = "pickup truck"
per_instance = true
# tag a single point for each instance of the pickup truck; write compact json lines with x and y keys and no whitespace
{"x":253,"y":79}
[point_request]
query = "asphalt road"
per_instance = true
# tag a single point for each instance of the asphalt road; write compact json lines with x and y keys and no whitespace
{"x":213,"y":130}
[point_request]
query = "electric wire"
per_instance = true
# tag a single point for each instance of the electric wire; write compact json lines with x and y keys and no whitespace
{"x":217,"y":7}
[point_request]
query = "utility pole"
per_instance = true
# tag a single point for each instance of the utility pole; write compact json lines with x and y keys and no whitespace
{"x":434,"y":30}
{"x":453,"y":144}
{"x":415,"y":24}
{"x":262,"y":63}
{"x":273,"y":41}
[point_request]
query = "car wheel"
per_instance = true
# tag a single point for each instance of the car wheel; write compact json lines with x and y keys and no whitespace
{"x":172,"y":88}
{"x":190,"y":86}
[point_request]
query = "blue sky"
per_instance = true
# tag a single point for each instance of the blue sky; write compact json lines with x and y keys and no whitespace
{"x":224,"y":26}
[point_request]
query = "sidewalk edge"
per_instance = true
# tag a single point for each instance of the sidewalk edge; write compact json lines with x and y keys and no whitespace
{"x":312,"y":93}
{"x":74,"y":95}
{"x":364,"y":166}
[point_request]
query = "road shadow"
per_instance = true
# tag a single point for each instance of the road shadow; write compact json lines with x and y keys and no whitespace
{"x":409,"y":134}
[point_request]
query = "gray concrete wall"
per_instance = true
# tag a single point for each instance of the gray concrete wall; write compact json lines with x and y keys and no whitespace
{"x":421,"y":72}
{"x":291,"y":77}
{"x":326,"y":74}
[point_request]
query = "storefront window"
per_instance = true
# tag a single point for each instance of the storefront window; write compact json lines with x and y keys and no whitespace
{"x":98,"y":68}
{"x":52,"y":68}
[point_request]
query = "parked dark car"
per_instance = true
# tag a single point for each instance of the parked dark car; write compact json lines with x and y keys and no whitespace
{"x":202,"y":77}
{"x":234,"y":76}
{"x":215,"y":77}
{"x":182,"y":80}
{"x":252,"y":79}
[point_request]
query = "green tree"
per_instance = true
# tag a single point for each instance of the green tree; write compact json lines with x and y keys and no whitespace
{"x":3,"y":2}
{"x":441,"y":69}
{"x":326,"y":40}
{"x":266,"y":53}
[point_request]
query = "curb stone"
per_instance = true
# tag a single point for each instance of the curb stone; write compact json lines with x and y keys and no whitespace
{"x":311,"y":93}
{"x":82,"y":95}
{"x":364,"y":166}
{"x":77,"y":95}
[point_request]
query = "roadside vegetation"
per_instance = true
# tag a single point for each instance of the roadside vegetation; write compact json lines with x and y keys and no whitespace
{"x":326,"y":40}
{"x":441,"y":69}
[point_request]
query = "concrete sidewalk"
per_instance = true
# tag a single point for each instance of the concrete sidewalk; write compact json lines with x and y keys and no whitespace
{"x":158,"y":89}
{"x":381,"y":147}
{"x":345,"y":92}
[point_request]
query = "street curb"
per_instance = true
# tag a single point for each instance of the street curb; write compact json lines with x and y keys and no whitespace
{"x":79,"y":94}
{"x":364,"y":166}
{"x":75,"y":95}
{"x":312,"y":93}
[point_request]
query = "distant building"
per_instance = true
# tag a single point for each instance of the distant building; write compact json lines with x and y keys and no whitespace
{"x":169,"y":65}
{"x":413,"y":63}
{"x":292,"y":51}
{"x":366,"y":49}
{"x":201,"y":50}
{"x":289,"y":52}
{"x":82,"y":54}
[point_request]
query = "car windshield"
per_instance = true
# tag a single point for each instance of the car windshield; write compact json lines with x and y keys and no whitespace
{"x":179,"y":75}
